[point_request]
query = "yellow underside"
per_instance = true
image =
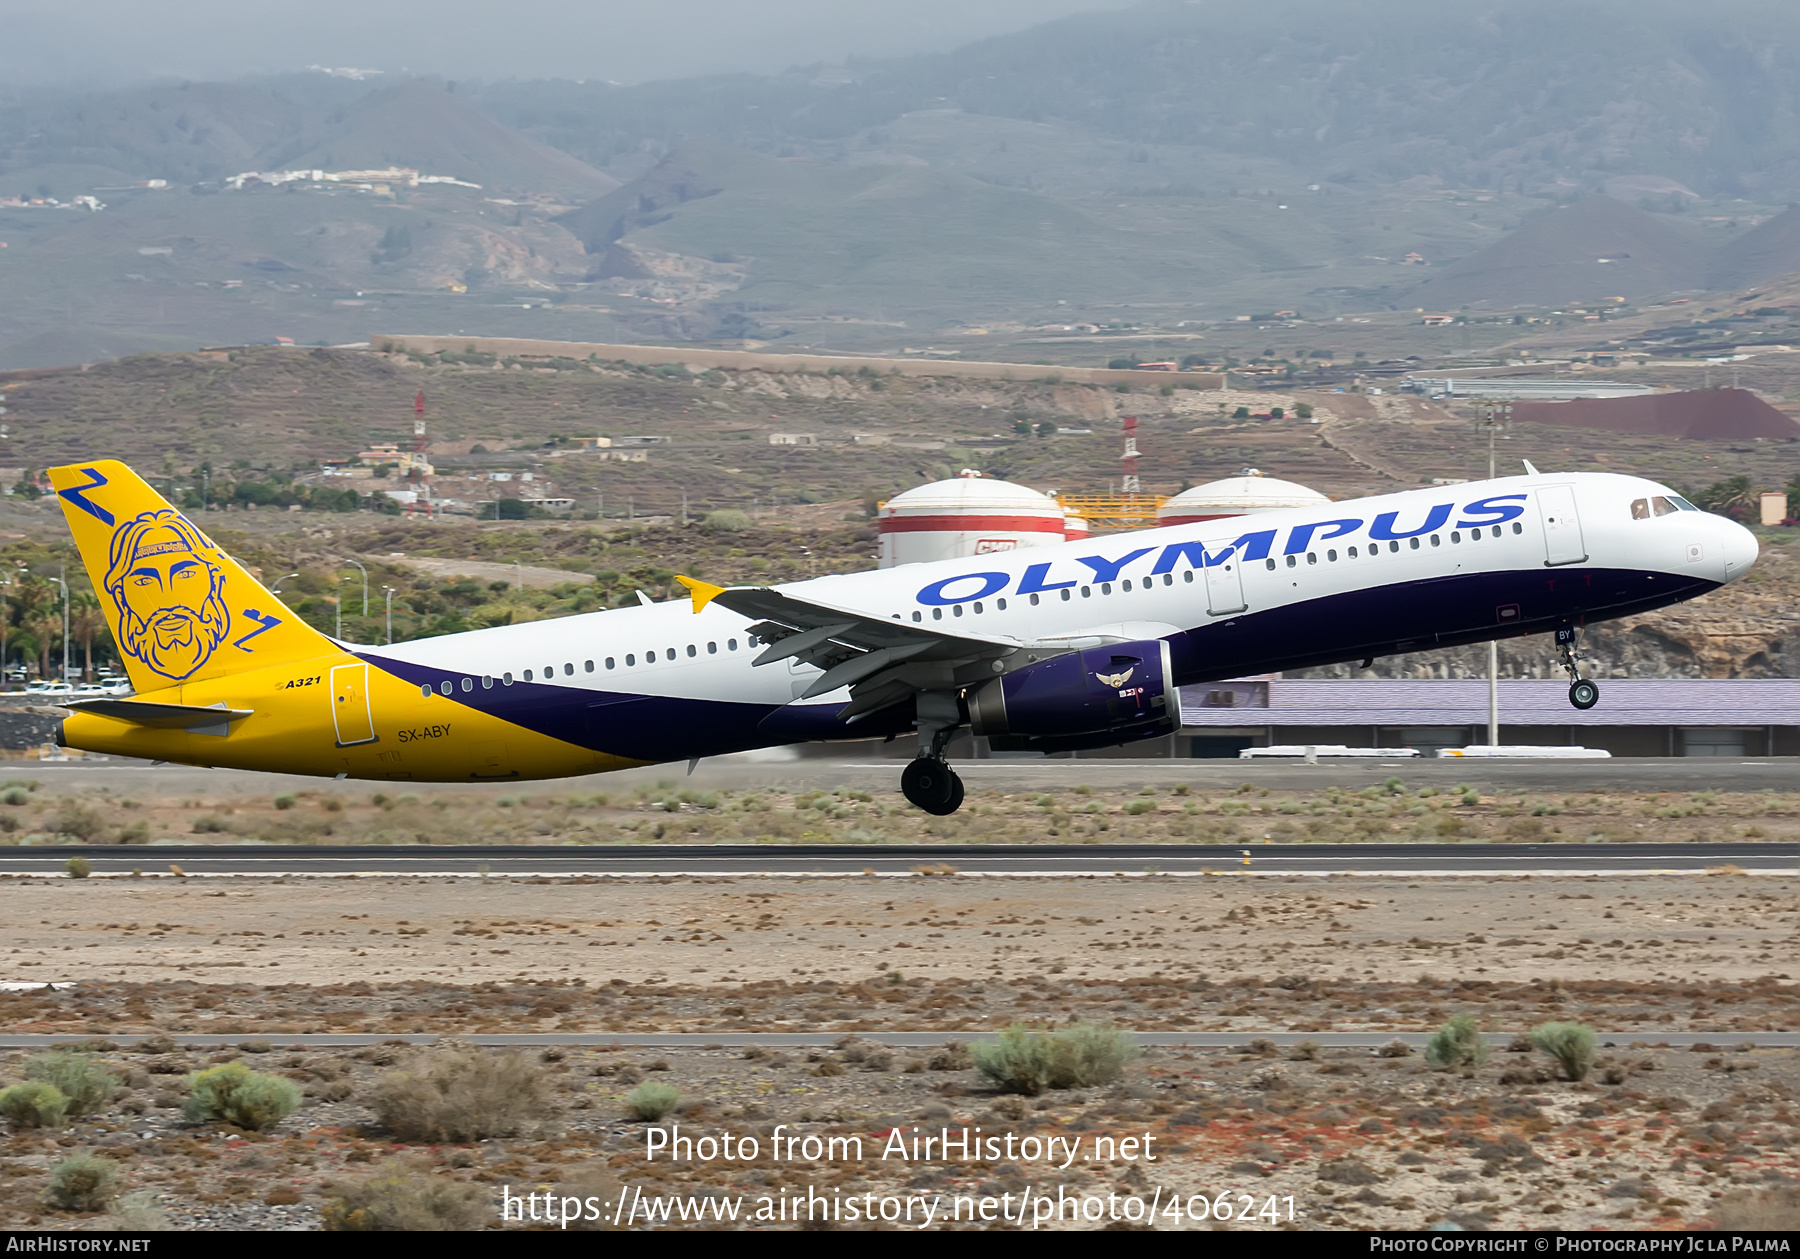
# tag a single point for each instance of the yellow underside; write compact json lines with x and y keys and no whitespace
{"x":336,"y":715}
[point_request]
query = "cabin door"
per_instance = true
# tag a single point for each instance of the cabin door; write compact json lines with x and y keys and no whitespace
{"x":1562,"y":526}
{"x":350,"y":709}
{"x":1224,"y":580}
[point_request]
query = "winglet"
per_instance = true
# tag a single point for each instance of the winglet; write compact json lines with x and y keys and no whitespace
{"x":703,"y":592}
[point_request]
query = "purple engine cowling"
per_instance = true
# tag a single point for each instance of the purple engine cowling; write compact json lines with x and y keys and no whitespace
{"x":1097,"y":697}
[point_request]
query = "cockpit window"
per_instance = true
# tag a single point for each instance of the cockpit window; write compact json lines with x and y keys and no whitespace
{"x":1640,"y":509}
{"x":1665,"y":507}
{"x":1681,"y":503}
{"x":1644,"y":508}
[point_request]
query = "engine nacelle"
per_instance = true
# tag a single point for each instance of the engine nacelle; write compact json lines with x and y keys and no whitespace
{"x":1095,"y":698}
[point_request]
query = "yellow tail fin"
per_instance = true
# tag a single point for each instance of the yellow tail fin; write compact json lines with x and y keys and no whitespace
{"x":179,"y":608}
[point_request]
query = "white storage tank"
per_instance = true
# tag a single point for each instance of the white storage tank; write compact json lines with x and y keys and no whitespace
{"x":1236,"y":496}
{"x":966,"y":515}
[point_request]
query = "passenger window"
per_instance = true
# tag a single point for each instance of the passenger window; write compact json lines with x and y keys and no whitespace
{"x":630,"y":659}
{"x":1168,"y":579}
{"x":1517,"y":527}
{"x":1291,"y":561}
{"x":549,"y":672}
{"x":1034,"y":601}
{"x":1087,"y":592}
{"x":569,"y":670}
{"x":1332,"y":556}
{"x":610,"y":662}
{"x":1496,"y":531}
{"x":692,"y":651}
{"x":917,"y":617}
{"x":425,"y":690}
{"x":1065,"y":595}
{"x":937,"y":614}
{"x":1455,"y":536}
{"x":528,"y":675}
{"x":468,"y":684}
{"x":1435,"y":541}
{"x":977,"y":609}
{"x":957,"y":610}
{"x":1187,"y":574}
{"x":506,"y":679}
{"x":487,"y":683}
{"x":1393,"y":546}
{"x":749,"y":641}
{"x":1106,"y":587}
{"x":1351,"y":552}
{"x":444,"y":686}
{"x":1312,"y":557}
{"x":999,"y":605}
{"x":712,"y":649}
{"x":588,"y":666}
{"x":1414,"y":543}
{"x":1125,"y":585}
{"x":1270,"y":564}
{"x":731,"y":644}
{"x":1662,"y":506}
{"x":1640,"y":509}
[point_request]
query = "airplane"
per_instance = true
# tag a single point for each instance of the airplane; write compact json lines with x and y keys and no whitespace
{"x":1049,"y":649}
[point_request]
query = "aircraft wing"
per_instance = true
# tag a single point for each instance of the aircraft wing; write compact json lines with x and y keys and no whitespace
{"x":882,"y":660}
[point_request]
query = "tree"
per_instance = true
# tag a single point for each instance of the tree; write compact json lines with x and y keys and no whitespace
{"x":86,"y":622}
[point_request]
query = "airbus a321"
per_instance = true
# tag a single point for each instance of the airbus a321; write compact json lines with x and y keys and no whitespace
{"x":1049,"y":649}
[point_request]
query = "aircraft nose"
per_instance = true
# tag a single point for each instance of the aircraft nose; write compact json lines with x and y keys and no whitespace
{"x":1740,"y":548}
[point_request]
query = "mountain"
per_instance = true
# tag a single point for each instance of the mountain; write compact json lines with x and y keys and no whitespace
{"x":421,"y":125}
{"x":1765,"y":253}
{"x":1593,"y":249}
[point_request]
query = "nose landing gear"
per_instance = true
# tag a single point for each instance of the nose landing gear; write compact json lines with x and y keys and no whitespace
{"x":1584,"y":693}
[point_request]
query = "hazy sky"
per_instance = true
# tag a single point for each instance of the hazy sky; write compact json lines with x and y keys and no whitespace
{"x":625,"y":40}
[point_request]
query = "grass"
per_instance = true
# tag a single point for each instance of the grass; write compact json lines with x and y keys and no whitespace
{"x":33,"y":1104}
{"x":1457,"y":1043}
{"x":651,"y":1101}
{"x":401,"y":1198}
{"x":464,"y":1094}
{"x":1029,"y":1061}
{"x":86,"y":1084}
{"x":232,"y":1093}
{"x":83,"y":1182}
{"x":1573,"y":1045}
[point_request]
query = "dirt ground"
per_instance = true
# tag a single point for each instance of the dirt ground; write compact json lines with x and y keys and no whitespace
{"x":1307,"y":1138}
{"x":1656,"y":1137}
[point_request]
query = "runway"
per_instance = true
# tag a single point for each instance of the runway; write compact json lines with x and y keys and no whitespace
{"x":782,"y":770}
{"x":969,"y":860}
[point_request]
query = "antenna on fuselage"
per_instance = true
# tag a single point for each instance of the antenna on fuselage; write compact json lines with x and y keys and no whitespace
{"x":1529,"y":470}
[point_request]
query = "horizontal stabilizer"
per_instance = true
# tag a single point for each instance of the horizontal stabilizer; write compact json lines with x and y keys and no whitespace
{"x":160,"y":716}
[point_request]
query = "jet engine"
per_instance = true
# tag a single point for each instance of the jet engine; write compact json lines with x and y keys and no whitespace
{"x":1098,"y":697}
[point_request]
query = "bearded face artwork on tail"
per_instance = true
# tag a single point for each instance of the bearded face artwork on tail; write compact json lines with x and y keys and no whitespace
{"x":169,"y":594}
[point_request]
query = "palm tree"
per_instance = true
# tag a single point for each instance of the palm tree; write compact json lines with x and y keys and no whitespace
{"x":86,"y":621}
{"x":46,"y":627}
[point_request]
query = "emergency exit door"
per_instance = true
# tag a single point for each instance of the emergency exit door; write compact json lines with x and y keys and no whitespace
{"x":350,"y":709}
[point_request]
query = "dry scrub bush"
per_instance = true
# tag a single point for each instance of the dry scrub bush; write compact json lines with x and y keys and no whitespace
{"x":1572,"y":1045}
{"x":1457,"y":1043}
{"x":651,"y":1102}
{"x":83,"y":1182}
{"x":403,"y":1199}
{"x":1772,"y":1210}
{"x":590,"y":1183}
{"x":232,"y":1093}
{"x":138,"y":1212}
{"x":34,"y":1104}
{"x":464,"y":1094}
{"x":1024,"y":1060}
{"x":86,"y":1083}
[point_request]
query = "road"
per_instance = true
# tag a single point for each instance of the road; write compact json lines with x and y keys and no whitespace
{"x":1036,"y":860}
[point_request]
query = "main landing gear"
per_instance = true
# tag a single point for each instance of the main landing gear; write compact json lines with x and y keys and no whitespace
{"x":928,"y":781}
{"x":932,"y":785}
{"x":1584,"y":693}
